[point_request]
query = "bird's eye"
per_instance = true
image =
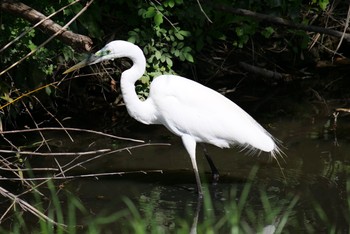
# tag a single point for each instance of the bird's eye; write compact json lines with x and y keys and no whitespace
{"x":102,"y":53}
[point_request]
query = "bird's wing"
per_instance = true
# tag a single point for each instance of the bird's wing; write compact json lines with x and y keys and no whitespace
{"x":187,"y":107}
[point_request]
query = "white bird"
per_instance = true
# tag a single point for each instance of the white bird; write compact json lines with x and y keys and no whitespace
{"x":186,"y":108}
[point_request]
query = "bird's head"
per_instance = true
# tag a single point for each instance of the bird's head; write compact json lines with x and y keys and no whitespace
{"x":114,"y":49}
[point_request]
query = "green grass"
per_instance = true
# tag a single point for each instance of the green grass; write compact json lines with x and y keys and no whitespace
{"x":245,"y":210}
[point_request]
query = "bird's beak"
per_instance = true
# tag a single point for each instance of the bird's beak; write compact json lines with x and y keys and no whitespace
{"x":91,"y":59}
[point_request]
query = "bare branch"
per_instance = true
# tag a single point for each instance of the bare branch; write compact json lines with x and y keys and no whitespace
{"x":71,"y":129}
{"x":283,"y":22}
{"x":77,"y":41}
{"x":27,"y":207}
{"x":59,"y":32}
{"x":55,"y":153}
{"x":81,"y":176}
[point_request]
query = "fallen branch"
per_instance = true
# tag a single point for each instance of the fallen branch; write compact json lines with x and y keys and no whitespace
{"x":59,"y":32}
{"x":264,"y":72}
{"x":77,"y":41}
{"x":283,"y":22}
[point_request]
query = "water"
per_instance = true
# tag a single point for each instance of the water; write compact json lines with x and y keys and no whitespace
{"x":314,"y":171}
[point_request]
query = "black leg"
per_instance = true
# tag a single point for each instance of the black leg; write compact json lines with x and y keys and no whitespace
{"x":214,"y":170}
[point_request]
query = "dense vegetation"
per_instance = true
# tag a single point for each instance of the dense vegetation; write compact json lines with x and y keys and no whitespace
{"x":204,"y":42}
{"x":238,"y":46}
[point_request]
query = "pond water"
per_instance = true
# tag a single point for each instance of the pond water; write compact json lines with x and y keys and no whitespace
{"x":307,"y":192}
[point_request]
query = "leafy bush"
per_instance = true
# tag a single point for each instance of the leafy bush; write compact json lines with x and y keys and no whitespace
{"x":170,"y":32}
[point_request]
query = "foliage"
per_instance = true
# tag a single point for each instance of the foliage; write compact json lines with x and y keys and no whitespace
{"x":171,"y":32}
{"x":161,"y":44}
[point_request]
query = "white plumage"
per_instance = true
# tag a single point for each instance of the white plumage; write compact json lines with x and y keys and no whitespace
{"x":188,"y":109}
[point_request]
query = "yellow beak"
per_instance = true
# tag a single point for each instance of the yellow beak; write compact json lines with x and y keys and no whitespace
{"x":81,"y":64}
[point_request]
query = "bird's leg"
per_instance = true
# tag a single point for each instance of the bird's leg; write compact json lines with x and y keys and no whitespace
{"x":190,"y":145}
{"x":195,"y":218}
{"x":214,"y":171}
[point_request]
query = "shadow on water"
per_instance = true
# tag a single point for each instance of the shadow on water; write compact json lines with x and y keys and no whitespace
{"x":312,"y":187}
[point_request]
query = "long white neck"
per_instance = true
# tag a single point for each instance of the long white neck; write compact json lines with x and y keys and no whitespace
{"x":143,"y":111}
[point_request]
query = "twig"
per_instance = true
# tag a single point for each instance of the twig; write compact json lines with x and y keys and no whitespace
{"x":71,"y":129}
{"x":27,"y":207}
{"x":44,"y":141}
{"x":36,"y":25}
{"x":47,"y":111}
{"x":283,"y":22}
{"x":343,"y":109}
{"x":45,"y":24}
{"x":55,"y":153}
{"x":79,"y":164}
{"x":205,"y":14}
{"x":7,"y":211}
{"x":81,"y":176}
{"x":344,"y":31}
{"x":112,"y":152}
{"x":49,"y":39}
{"x":26,"y":94}
{"x":7,"y":164}
{"x":59,"y":167}
{"x":29,"y":169}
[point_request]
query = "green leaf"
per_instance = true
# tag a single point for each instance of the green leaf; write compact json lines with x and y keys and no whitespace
{"x":48,"y":90}
{"x":323,"y":4}
{"x":239,"y":31}
{"x":158,"y":55}
{"x":169,"y":62}
{"x":179,"y":36}
{"x":162,"y":59}
{"x":31,"y":46}
{"x":171,"y":4}
{"x":189,"y":57}
{"x":267,"y":32}
{"x":185,"y":33}
{"x":158,"y":19}
{"x":151,"y":12}
{"x":132,"y":39}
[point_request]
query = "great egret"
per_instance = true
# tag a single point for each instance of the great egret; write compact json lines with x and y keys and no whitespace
{"x":188,"y":109}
